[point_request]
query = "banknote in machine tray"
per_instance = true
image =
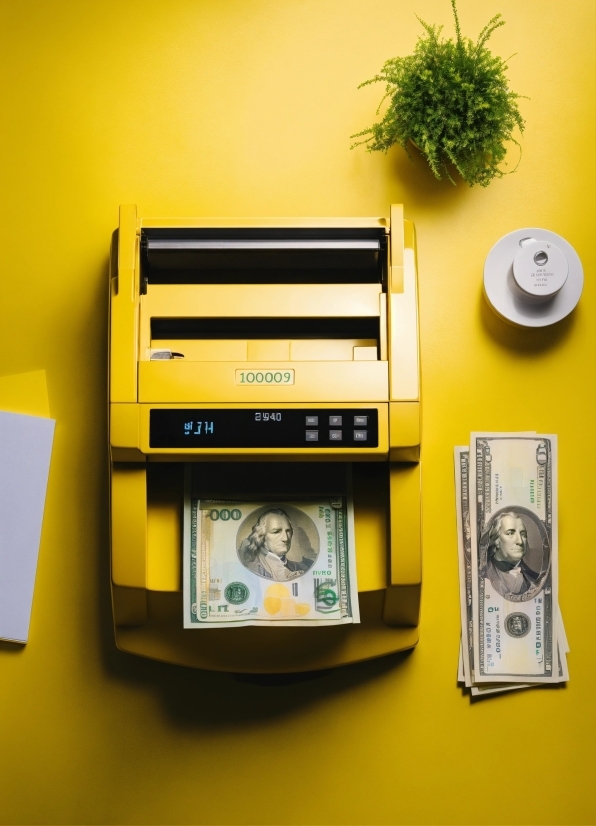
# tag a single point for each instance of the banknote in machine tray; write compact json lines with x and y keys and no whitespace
{"x":266,"y":563}
{"x":514,"y":563}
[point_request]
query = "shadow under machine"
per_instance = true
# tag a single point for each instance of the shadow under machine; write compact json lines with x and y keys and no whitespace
{"x":229,"y":321}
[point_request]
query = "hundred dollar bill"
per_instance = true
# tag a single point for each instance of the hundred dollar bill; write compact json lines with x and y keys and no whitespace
{"x":466,"y":655}
{"x":513,"y":530}
{"x":462,"y":488}
{"x":269,"y":563}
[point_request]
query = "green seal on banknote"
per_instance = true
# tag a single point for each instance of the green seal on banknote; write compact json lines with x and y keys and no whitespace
{"x":236,"y":593}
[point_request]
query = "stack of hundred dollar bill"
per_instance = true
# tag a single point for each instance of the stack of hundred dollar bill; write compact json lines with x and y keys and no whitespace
{"x":512,"y":631}
{"x":269,"y":563}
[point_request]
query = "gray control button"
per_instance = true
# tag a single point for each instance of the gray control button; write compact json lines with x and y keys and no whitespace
{"x":335,"y":420}
{"x":312,"y":435}
{"x":360,"y":435}
{"x":335,"y":435}
{"x":361,"y":421}
{"x":312,"y":420}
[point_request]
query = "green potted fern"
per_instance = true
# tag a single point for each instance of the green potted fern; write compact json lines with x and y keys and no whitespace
{"x":451,"y":100}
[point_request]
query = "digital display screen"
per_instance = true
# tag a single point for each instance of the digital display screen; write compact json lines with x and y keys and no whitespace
{"x":254,"y":427}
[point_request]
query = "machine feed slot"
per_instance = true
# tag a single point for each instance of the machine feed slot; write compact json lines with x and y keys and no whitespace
{"x":358,"y":328}
{"x":332,"y":255}
{"x":267,"y":480}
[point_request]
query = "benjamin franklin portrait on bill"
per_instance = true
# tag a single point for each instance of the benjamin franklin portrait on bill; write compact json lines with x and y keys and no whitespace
{"x":265,"y":551}
{"x":506,"y":547}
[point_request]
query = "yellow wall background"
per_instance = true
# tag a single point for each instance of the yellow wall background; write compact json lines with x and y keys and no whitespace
{"x":245,"y":107}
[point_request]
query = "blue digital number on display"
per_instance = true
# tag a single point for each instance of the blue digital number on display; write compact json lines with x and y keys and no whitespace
{"x":197,"y":428}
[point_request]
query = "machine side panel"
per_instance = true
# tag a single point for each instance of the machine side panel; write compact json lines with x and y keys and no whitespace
{"x":396,"y":249}
{"x":124,"y":425}
{"x":406,"y":524}
{"x":129,"y":525}
{"x":124,"y":311}
{"x":369,"y":483}
{"x":404,"y":431}
{"x":165,"y":495}
{"x":402,"y":597}
{"x":404,"y":376}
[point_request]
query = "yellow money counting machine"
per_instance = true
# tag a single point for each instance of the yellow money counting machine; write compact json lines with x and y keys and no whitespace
{"x":309,"y":325}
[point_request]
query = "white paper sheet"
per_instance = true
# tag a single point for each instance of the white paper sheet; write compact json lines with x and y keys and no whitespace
{"x":25,"y":450}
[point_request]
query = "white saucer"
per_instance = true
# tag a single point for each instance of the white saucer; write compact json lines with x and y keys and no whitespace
{"x":500,"y":288}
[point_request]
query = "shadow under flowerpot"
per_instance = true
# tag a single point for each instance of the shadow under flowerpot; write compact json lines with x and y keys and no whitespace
{"x":417,"y":178}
